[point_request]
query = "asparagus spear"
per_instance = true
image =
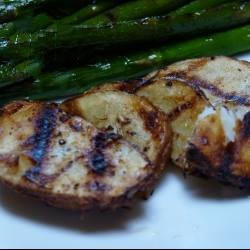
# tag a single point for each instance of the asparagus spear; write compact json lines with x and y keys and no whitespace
{"x":23,"y":46}
{"x":32,"y":24}
{"x":63,"y":84}
{"x":10,"y":74}
{"x":10,"y":9}
{"x":136,"y":9}
{"x":198,"y":5}
{"x":29,"y":23}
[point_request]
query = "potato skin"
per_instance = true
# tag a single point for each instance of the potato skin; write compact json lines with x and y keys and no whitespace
{"x":66,"y":162}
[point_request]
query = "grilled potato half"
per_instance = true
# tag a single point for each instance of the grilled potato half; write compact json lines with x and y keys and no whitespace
{"x":65,"y":161}
{"x":130,"y":116}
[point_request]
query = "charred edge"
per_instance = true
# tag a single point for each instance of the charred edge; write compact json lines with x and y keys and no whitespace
{"x":224,"y":172}
{"x":197,"y":84}
{"x":197,"y":160}
{"x":133,"y":86}
{"x":150,"y":119}
{"x":246,"y":126}
{"x":203,"y":167}
{"x":45,"y":125}
{"x":198,"y":63}
{"x":226,"y":175}
{"x":12,"y":108}
{"x":176,"y":112}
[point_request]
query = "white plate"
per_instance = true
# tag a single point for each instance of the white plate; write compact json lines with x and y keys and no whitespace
{"x":183,"y":213}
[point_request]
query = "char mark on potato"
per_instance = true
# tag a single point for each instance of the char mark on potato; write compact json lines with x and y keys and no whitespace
{"x":45,"y":125}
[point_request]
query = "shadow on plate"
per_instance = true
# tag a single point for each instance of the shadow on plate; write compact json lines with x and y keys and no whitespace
{"x":89,"y":222}
{"x":94,"y":222}
{"x":209,"y":189}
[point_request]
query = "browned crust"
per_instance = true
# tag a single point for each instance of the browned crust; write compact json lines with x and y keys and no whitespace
{"x":144,"y":188}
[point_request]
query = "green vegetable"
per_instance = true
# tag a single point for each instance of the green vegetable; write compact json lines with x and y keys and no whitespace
{"x":10,"y":75}
{"x":197,"y":6}
{"x":63,"y":84}
{"x":24,"y":46}
{"x":31,"y":23}
{"x":28,"y":23}
{"x":136,"y":9}
{"x":90,"y":11}
{"x":10,"y":9}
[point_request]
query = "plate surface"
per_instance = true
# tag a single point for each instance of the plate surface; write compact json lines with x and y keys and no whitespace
{"x":183,"y":213}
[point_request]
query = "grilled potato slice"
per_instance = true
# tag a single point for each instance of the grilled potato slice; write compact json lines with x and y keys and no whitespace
{"x":66,"y":162}
{"x":130,"y":116}
{"x":207,"y":100}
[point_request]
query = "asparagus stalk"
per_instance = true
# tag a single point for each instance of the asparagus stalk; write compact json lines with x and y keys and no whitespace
{"x":10,"y":75}
{"x":10,"y":9}
{"x":136,"y":9}
{"x":23,"y":46}
{"x":62,"y":84}
{"x":29,"y":23}
{"x":197,"y":6}
{"x":32,"y":24}
{"x":90,"y":11}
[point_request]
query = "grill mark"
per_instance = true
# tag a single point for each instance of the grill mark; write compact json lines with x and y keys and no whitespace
{"x":45,"y":126}
{"x":98,"y":162}
{"x":246,"y":126}
{"x":150,"y":120}
{"x":101,"y":140}
{"x":197,"y":84}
